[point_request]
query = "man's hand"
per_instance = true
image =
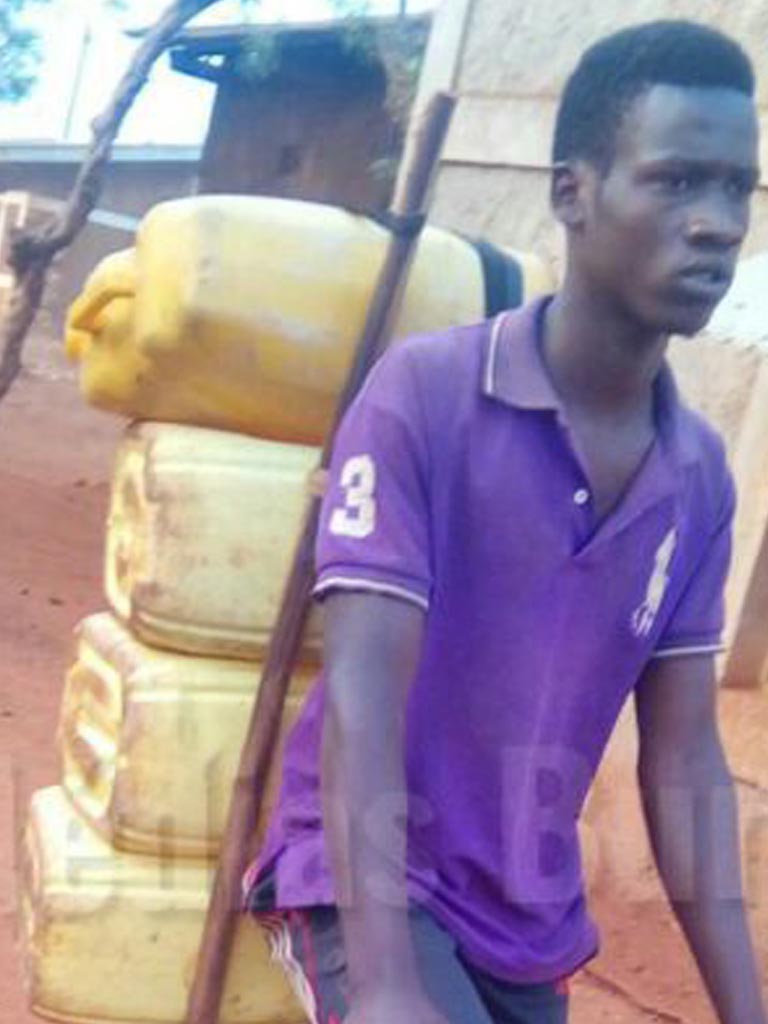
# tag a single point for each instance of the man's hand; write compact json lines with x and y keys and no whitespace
{"x":387,"y":1005}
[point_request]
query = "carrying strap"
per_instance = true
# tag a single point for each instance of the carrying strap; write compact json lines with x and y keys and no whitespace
{"x":401,"y":225}
{"x":502,"y":277}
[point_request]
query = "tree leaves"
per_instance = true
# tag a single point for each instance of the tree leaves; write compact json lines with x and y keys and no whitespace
{"x":19,"y":50}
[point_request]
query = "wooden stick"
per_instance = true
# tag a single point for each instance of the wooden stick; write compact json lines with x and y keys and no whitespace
{"x":259,"y":747}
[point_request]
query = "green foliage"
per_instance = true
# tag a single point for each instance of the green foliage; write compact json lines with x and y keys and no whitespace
{"x":20,"y":53}
{"x":19,"y":50}
{"x":259,"y":57}
{"x":351,"y":8}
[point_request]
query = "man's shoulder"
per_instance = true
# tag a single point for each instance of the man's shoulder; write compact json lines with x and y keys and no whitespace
{"x":433,"y":368}
{"x":442,"y":350}
{"x":702,"y":438}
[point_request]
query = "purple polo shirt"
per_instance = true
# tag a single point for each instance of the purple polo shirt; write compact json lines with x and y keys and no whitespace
{"x":454,"y":485}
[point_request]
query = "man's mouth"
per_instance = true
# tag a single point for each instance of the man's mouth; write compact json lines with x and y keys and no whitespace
{"x":704,"y":282}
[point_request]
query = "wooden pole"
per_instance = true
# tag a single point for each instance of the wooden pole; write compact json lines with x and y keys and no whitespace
{"x":407,"y":219}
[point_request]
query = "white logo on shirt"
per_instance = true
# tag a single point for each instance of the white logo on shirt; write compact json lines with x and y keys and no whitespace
{"x":645,"y":616}
{"x":357,"y":516}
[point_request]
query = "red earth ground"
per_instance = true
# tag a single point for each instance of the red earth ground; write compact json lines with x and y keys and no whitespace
{"x":54,"y":477}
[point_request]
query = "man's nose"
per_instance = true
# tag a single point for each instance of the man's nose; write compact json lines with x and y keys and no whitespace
{"x":720,"y":222}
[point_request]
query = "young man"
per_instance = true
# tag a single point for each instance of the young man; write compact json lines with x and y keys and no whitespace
{"x":524,"y":526}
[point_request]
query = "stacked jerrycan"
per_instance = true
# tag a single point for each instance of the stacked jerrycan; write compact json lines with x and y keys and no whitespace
{"x":224,"y":336}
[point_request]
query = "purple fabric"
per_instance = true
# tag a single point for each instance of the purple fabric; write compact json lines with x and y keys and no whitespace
{"x":454,"y":485}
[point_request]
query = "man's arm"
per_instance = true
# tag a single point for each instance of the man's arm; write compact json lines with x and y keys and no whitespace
{"x":372,"y":647}
{"x":690,"y":809}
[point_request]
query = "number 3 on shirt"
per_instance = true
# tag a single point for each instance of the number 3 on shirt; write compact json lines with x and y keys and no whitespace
{"x":357,"y":516}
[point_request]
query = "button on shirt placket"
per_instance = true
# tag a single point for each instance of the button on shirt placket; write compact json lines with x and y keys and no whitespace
{"x":580,"y":494}
{"x":581,"y":502}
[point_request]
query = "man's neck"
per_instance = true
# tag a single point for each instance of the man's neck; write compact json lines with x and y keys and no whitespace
{"x":599,"y":362}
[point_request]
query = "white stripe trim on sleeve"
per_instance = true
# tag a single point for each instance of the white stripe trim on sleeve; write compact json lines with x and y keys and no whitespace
{"x":356,"y":583}
{"x":674,"y":652}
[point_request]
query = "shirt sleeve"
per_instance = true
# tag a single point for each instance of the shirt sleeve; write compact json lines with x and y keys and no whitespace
{"x":696,"y":624}
{"x":374,"y":526}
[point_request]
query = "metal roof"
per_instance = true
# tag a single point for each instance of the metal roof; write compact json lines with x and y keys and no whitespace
{"x":221,"y":38}
{"x":192,"y":48}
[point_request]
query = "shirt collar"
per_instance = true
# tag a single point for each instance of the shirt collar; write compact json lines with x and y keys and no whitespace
{"x":514,"y":373}
{"x":514,"y":370}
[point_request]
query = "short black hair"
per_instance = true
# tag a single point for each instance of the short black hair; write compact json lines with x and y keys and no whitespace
{"x":619,"y":68}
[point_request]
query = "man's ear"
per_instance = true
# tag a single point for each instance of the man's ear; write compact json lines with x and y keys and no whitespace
{"x":567,"y":194}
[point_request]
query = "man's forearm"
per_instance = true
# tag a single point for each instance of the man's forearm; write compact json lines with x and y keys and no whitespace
{"x":692,"y":821}
{"x":372,"y":651}
{"x":364,"y":812}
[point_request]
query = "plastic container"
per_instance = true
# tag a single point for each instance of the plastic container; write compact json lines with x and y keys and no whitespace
{"x":114,"y":937}
{"x":150,"y":741}
{"x":242,"y":312}
{"x":200,"y":535}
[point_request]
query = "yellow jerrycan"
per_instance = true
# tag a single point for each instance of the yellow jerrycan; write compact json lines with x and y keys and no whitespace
{"x":114,"y":937}
{"x":150,"y":741}
{"x":200,"y":534}
{"x":242,"y":313}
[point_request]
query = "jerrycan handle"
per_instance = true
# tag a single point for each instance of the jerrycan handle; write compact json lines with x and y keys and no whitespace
{"x":76,"y":343}
{"x":86,"y":308}
{"x":114,"y":278}
{"x":82,"y":327}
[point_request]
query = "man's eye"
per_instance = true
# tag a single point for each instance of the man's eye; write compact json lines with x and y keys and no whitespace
{"x":741,"y":188}
{"x":676,"y":181}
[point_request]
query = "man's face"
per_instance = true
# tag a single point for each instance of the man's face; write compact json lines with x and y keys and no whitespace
{"x":662,"y":229}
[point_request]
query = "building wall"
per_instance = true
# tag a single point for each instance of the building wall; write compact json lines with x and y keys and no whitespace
{"x":130,"y":188}
{"x":317,"y":129}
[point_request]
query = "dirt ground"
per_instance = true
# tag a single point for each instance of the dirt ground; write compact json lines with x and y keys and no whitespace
{"x":54,"y":477}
